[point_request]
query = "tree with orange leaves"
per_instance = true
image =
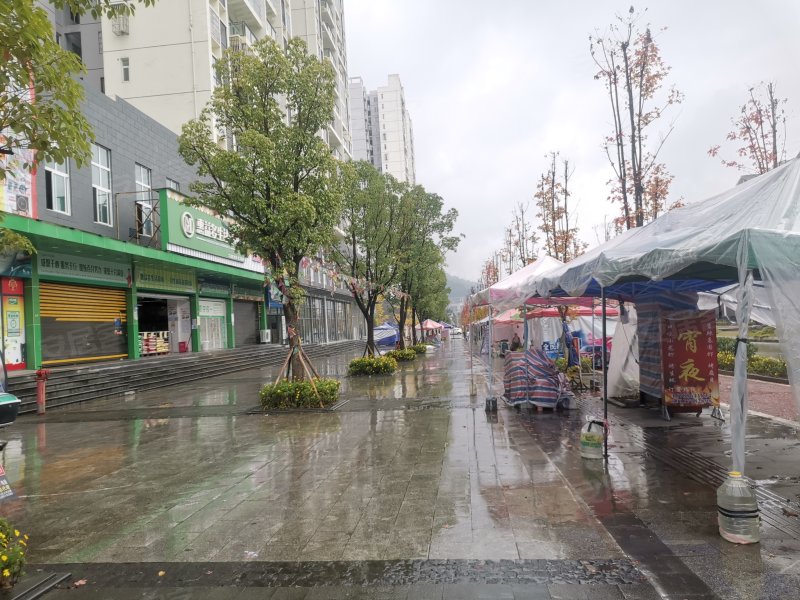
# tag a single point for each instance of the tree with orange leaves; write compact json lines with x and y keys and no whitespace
{"x":634,"y":74}
{"x":760,"y":128}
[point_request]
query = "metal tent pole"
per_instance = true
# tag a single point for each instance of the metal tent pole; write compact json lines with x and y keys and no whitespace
{"x":605,"y":376}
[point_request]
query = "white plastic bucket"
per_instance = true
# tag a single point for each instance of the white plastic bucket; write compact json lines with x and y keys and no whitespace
{"x":592,"y":439}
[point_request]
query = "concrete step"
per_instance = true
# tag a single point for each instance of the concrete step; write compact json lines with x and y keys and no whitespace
{"x":82,"y":384}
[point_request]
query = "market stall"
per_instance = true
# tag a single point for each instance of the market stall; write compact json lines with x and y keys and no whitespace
{"x":751,"y":232}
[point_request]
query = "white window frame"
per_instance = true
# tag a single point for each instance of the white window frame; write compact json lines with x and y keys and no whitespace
{"x":126,"y":68}
{"x":144,"y":203}
{"x":173,"y":185}
{"x":59,"y":170}
{"x":98,"y":188}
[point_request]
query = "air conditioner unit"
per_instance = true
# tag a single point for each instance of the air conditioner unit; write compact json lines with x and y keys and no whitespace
{"x":265,"y":336}
{"x":119,"y":25}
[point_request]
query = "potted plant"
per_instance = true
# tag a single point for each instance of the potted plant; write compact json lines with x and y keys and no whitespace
{"x":13,"y":546}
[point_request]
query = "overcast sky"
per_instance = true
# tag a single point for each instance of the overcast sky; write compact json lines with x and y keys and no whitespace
{"x":494,"y":85}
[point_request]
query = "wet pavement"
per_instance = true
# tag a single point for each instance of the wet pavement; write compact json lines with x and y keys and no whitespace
{"x":407,"y":489}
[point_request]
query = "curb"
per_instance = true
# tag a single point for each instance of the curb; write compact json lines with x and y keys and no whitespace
{"x":755,"y":377}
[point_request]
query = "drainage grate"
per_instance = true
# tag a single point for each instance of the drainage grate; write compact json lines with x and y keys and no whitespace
{"x":37,"y":586}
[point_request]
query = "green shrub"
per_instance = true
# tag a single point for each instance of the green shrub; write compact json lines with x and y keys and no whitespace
{"x":300,"y":394}
{"x":372,"y":365}
{"x":726,"y":360}
{"x":766,"y":365}
{"x":725,"y":344}
{"x":763,"y":333}
{"x":587,"y":364}
{"x":420,"y":348}
{"x":561,"y":365}
{"x":402,"y":355}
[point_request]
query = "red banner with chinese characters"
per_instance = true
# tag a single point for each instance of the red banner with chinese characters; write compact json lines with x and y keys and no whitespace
{"x":689,"y":359}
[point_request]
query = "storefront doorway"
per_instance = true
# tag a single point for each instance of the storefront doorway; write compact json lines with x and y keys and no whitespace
{"x":164,"y":324}
{"x":213,"y":325}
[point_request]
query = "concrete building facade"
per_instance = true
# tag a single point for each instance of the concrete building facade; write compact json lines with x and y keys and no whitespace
{"x":80,"y":34}
{"x":381,"y":128}
{"x":125,"y":268}
{"x":320,"y":23}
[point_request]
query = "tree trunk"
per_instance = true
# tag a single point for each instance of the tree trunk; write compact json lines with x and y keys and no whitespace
{"x":369,"y":315}
{"x":292,"y":325}
{"x":413,"y":327}
{"x":401,"y":322}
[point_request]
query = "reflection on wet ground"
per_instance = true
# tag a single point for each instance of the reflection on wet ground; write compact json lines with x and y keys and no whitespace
{"x":408,"y":468}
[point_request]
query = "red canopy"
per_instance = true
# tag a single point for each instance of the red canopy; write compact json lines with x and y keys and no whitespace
{"x":576,"y":311}
{"x":430,"y":324}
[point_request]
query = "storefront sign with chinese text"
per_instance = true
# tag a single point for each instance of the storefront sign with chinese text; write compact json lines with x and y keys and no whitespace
{"x":689,"y":360}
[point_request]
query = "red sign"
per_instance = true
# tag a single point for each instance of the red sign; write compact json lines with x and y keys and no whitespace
{"x":689,"y":360}
{"x":13,"y":286}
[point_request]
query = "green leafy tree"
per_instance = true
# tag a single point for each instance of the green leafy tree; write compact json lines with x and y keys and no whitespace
{"x":40,"y":96}
{"x":430,"y":238}
{"x":279,"y":184}
{"x":375,"y":233}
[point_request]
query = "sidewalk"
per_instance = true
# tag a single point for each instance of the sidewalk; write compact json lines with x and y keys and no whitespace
{"x":407,"y":490}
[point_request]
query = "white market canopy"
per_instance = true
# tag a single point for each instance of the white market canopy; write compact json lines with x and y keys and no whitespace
{"x":511,"y":291}
{"x":751,"y":231}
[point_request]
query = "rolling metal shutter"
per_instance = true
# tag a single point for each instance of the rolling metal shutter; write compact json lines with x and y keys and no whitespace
{"x":78,"y":323}
{"x":245,"y":323}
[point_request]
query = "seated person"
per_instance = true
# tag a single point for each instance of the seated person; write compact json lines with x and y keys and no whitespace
{"x":516,"y":344}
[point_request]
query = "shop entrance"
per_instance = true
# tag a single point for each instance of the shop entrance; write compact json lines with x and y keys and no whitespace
{"x":164,"y":325}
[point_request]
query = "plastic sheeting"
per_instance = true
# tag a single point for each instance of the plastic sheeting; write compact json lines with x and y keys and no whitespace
{"x":510,"y":292}
{"x":760,"y":310}
{"x":623,"y":366}
{"x":752,"y":227}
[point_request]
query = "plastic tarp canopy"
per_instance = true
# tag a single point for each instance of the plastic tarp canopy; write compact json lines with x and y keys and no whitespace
{"x":760,"y":312}
{"x":749,"y":232}
{"x":512,"y":291}
{"x":429,"y":324}
{"x":623,"y":368}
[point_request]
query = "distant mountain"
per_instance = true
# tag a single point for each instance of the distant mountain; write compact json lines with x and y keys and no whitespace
{"x":459,"y":288}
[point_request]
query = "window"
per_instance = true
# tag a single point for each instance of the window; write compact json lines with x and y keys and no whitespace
{"x":173,"y":185}
{"x":73,"y":43}
{"x":144,"y":204}
{"x":100,"y":42}
{"x":74,"y":17}
{"x":103,"y":85}
{"x":101,"y":184}
{"x":126,"y":71}
{"x":57,"y":184}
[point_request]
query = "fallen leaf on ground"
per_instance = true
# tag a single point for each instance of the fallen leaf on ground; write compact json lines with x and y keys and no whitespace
{"x":790,"y":513}
{"x":162,"y":573}
{"x":79,"y":583}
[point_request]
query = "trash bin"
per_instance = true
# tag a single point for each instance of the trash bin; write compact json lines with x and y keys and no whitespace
{"x":183,"y":346}
{"x":9,"y":407}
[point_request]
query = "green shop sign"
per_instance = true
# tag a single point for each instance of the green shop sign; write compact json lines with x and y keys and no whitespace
{"x":85,"y":269}
{"x":152,"y":278}
{"x":189,"y":227}
{"x":207,"y":288}
{"x":241,"y":292}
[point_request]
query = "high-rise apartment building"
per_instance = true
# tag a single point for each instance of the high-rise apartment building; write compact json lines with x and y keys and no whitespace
{"x":161,"y":59}
{"x":381,"y":128}
{"x":361,"y":121}
{"x":81,"y":35}
{"x":321,"y":24}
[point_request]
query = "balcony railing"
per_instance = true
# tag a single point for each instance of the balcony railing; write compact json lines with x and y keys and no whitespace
{"x":240,"y":28}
